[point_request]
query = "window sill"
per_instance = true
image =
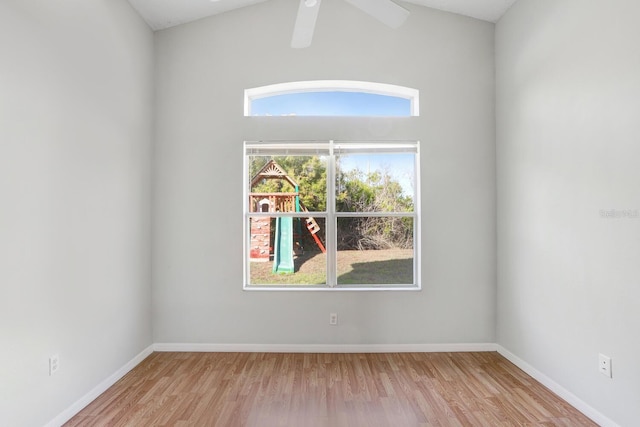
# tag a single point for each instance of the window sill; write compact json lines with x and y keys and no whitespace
{"x":343,"y":288}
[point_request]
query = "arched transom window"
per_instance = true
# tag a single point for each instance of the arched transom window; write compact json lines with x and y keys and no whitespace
{"x":332,"y":98}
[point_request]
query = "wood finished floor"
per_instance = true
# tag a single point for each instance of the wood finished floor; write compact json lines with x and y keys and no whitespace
{"x":270,"y":389}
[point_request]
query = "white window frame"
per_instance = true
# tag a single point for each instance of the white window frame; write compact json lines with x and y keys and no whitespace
{"x":330,"y":215}
{"x":333,"y":86}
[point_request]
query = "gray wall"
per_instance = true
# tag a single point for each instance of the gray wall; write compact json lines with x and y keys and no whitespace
{"x":568,"y":144}
{"x":76,"y":120}
{"x":76,"y":99}
{"x":202,"y":69}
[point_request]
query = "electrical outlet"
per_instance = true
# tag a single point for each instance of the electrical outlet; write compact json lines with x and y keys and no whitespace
{"x":54,"y":364}
{"x":333,"y":318}
{"x":604,"y":365}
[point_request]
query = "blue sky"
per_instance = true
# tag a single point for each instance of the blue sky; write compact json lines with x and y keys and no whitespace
{"x":400,"y":166}
{"x":331,"y":104}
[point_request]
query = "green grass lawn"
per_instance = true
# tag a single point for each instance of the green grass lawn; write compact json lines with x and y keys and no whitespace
{"x":373,"y":267}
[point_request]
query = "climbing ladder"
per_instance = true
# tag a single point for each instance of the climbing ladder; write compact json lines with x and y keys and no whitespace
{"x":313,"y":228}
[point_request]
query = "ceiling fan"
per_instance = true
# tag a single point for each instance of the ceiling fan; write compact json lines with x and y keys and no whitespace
{"x":385,"y":11}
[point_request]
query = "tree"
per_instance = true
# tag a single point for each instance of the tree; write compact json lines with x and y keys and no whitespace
{"x":375,"y":191}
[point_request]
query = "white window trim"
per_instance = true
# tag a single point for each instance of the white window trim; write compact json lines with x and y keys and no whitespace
{"x":330,"y":217}
{"x":411,"y":94}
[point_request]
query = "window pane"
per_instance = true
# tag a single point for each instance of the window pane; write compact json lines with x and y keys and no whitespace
{"x":375,"y":182}
{"x":287,"y":251}
{"x":375,"y":251}
{"x":335,"y":103}
{"x":287,"y":183}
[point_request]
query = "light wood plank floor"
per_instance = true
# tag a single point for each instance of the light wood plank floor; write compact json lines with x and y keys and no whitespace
{"x":268,"y":389}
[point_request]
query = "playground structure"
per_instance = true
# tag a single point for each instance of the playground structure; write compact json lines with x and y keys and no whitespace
{"x":284,"y":237}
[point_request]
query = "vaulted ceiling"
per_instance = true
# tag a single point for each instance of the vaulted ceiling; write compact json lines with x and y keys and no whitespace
{"x":160,"y":14}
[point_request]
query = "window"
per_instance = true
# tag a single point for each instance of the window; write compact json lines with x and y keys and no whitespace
{"x":331,"y":215}
{"x":332,"y":98}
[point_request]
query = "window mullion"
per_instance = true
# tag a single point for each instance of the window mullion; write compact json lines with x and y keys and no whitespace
{"x":331,"y":235}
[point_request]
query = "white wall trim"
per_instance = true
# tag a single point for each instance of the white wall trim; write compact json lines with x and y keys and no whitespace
{"x":85,"y":400}
{"x":324,"y":348}
{"x":565,"y":394}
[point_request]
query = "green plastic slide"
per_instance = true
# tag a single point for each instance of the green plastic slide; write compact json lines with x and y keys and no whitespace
{"x":283,"y":246}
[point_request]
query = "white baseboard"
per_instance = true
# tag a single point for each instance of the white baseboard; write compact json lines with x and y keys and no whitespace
{"x":324,"y":348}
{"x":565,"y":394}
{"x":80,"y":404}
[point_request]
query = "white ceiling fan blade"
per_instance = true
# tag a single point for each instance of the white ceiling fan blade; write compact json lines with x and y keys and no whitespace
{"x":305,"y":23}
{"x":385,"y":11}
